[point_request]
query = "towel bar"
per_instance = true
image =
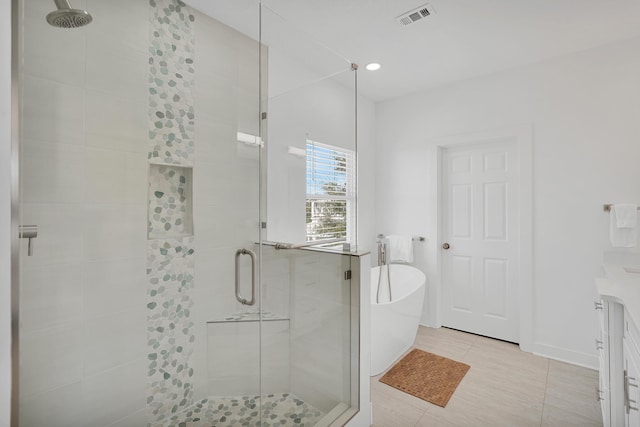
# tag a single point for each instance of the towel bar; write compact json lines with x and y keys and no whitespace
{"x":414,"y":238}
{"x":608,"y":207}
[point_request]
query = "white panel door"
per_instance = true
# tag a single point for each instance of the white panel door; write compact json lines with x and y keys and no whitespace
{"x":480,"y":239}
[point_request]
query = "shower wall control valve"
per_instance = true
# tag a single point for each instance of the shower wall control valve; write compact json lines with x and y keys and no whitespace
{"x":28,"y":232}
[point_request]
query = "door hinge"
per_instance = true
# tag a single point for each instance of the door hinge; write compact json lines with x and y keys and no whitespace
{"x":264,"y":116}
{"x":347,"y":275}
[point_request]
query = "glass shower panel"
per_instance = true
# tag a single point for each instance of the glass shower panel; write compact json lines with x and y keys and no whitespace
{"x":310,"y":138}
{"x":306,"y":291}
{"x":140,"y":166}
{"x":307,"y":334}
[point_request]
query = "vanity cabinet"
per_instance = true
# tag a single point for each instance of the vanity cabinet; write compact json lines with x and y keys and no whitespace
{"x":608,"y":342}
{"x":618,"y":340}
{"x":631,"y":374}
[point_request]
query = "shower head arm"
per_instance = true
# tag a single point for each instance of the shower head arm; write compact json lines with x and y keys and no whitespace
{"x":62,"y":4}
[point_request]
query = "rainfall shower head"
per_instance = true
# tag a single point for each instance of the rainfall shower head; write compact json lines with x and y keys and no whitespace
{"x":67,"y":17}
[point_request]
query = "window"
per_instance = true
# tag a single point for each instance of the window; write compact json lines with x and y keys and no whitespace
{"x":330,"y":193}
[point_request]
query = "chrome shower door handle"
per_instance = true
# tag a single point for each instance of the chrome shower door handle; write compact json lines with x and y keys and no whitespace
{"x":239,"y":297}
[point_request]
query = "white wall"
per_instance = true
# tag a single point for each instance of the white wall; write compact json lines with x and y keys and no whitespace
{"x":366,"y":177}
{"x":5,"y":212}
{"x":584,"y":109}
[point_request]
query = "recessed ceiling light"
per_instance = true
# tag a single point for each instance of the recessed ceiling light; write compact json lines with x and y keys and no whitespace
{"x":373,"y":66}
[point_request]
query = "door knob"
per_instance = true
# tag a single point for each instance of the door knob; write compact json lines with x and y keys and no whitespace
{"x":445,"y":246}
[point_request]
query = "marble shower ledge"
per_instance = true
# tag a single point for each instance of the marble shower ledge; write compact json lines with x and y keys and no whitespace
{"x":250,"y":316}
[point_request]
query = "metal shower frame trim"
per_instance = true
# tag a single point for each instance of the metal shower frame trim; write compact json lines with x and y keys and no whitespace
{"x":15,"y":211}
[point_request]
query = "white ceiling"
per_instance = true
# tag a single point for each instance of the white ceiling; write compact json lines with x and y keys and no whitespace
{"x":465,"y":38}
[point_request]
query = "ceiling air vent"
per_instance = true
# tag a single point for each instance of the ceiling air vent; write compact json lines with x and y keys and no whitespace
{"x":415,"y":15}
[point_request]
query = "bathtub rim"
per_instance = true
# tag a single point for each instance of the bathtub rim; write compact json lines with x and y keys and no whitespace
{"x":423,"y":283}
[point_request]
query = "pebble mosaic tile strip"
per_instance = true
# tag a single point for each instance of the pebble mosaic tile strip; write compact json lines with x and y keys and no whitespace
{"x":170,"y":329}
{"x":171,"y":81}
{"x":170,"y":195}
{"x":170,"y":260}
{"x":278,"y":410}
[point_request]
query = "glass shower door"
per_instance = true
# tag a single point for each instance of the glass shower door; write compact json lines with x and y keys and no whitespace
{"x":140,"y":166}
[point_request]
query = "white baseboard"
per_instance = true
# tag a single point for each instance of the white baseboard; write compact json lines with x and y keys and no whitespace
{"x":556,"y":353}
{"x":564,"y":355}
{"x":428,"y":325}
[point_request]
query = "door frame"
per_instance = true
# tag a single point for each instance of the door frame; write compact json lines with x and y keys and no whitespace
{"x":523,"y":136}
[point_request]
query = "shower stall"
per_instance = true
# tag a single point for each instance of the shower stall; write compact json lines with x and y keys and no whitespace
{"x":167,"y":276}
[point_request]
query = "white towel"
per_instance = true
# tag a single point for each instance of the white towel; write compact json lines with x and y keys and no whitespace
{"x":626,"y":215}
{"x":623,"y":225}
{"x":400,"y":249}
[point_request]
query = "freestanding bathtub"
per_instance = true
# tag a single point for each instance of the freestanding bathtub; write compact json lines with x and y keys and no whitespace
{"x":394,"y":324}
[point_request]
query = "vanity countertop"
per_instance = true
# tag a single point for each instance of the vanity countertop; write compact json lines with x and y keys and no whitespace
{"x":621,"y":286}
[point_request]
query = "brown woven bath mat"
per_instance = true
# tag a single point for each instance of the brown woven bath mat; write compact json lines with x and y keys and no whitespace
{"x":425,"y":375}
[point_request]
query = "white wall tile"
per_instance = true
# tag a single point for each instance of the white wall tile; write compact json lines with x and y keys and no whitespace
{"x":52,"y":111}
{"x":215,"y":142}
{"x":51,"y":296}
{"x":44,"y":6}
{"x":248,"y":65}
{"x":113,"y":395}
{"x":125,"y":22}
{"x":50,"y":172}
{"x":214,"y":292}
{"x":213,"y":183}
{"x":276,"y":280}
{"x":116,"y":124}
{"x":50,"y":358}
{"x":274,"y":353}
{"x":215,"y":98}
{"x":275,"y":294}
{"x":113,"y":340}
{"x":214,"y":41}
{"x":56,"y":408}
{"x":199,"y":358}
{"x":233,"y":351}
{"x":233,"y":358}
{"x":114,"y":231}
{"x":52,"y":53}
{"x":114,"y":286}
{"x":248,"y":110}
{"x":59,"y":238}
{"x":140,"y":418}
{"x":320,"y":330}
{"x":217,"y":226}
{"x":114,"y":68}
{"x":115,"y":177}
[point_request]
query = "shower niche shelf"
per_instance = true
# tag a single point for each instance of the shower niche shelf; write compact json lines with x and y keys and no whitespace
{"x":170,"y":207}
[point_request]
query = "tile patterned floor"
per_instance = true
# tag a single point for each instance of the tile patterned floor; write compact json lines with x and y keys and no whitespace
{"x":505,"y":387}
{"x":278,"y":410}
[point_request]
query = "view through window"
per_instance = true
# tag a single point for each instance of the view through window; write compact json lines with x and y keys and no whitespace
{"x":330,"y":191}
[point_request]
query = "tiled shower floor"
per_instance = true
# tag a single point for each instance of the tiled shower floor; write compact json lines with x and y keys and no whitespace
{"x":282,"y":409}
